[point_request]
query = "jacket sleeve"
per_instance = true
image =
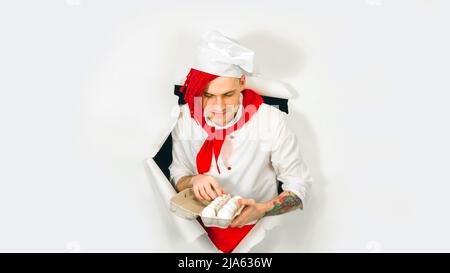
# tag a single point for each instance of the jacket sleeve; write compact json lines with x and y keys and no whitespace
{"x":181,"y":165}
{"x":288,"y":162}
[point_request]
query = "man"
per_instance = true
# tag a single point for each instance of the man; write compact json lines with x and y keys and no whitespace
{"x":227,"y":140}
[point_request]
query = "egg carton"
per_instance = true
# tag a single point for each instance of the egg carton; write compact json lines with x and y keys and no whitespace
{"x":184,"y":204}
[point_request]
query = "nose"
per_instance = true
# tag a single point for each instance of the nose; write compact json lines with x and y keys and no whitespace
{"x":220,"y":103}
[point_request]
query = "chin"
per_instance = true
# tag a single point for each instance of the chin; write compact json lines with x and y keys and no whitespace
{"x":219,"y":122}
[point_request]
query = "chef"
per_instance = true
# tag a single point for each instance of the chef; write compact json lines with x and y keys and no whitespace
{"x":227,"y":140}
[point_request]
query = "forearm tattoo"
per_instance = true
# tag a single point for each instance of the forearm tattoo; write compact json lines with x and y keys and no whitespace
{"x":285,"y":202}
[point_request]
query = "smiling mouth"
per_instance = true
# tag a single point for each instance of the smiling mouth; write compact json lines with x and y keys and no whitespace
{"x":219,"y":113}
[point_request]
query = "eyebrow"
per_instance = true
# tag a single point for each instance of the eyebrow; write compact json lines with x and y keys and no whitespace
{"x":206,"y":92}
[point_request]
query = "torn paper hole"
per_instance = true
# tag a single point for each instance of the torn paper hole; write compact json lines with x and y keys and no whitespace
{"x":161,"y":158}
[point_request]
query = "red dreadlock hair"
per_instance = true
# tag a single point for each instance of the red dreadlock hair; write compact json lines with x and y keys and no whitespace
{"x":194,"y":86}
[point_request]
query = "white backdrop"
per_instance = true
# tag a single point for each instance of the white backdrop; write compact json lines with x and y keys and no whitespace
{"x":86,"y":86}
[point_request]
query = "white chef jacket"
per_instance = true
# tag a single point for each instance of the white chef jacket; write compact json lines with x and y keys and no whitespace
{"x":252,"y":159}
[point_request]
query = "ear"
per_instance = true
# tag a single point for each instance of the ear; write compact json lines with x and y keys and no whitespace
{"x":242,"y":80}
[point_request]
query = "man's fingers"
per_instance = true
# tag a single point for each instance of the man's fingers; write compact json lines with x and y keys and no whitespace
{"x":237,"y":221}
{"x":217,"y":188}
{"x":197,"y":193}
{"x":246,"y":202}
{"x":242,"y":219}
{"x":210,"y":192}
{"x":203,"y":194}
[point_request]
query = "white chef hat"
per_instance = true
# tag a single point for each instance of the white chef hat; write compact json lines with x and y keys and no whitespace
{"x":219,"y":55}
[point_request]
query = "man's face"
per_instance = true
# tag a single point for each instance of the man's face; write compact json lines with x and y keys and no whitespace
{"x":221,"y":99}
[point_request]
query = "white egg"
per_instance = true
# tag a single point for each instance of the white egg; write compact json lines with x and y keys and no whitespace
{"x":232,"y":205}
{"x":236,"y":198}
{"x":225,"y":213}
{"x":235,"y":203}
{"x":223,"y":196}
{"x":215,"y":202}
{"x":210,"y":207}
{"x":208,"y":212}
{"x":224,"y":199}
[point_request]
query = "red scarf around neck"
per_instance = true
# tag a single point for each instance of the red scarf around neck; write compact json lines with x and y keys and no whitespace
{"x":225,"y":239}
{"x":194,"y":86}
{"x":216,"y":137}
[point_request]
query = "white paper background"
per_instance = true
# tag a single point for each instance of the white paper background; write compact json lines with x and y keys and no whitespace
{"x":86,"y":88}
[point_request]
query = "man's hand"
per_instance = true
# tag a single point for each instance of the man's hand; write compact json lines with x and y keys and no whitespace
{"x":253,"y":211}
{"x":285,"y":202}
{"x":206,"y":187}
